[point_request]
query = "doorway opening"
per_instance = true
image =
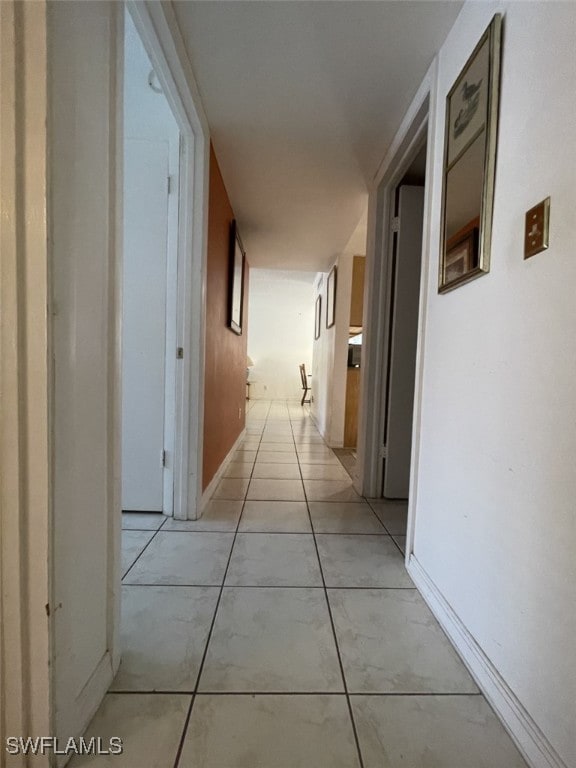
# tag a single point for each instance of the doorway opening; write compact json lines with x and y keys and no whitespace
{"x":402,"y":327}
{"x":151,"y":175}
{"x":393,"y":325}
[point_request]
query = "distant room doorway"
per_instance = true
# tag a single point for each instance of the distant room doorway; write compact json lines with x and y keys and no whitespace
{"x":149,"y":284}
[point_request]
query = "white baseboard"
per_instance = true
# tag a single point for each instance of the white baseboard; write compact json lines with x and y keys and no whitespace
{"x":532,"y":743}
{"x":211,"y":487}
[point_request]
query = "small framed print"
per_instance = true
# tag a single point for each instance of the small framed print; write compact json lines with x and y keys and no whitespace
{"x":318,"y":318}
{"x":331,"y":299}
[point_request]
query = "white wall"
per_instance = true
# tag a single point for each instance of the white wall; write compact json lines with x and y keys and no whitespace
{"x":495,"y":524}
{"x":280,"y":331}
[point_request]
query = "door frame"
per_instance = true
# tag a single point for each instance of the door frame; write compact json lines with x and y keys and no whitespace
{"x":415,"y":130}
{"x":26,"y":449}
{"x":158,"y":29}
{"x":25,"y":372}
{"x":391,"y":407}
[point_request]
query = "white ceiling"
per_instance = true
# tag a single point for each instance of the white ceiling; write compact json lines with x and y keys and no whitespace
{"x":303,"y":99}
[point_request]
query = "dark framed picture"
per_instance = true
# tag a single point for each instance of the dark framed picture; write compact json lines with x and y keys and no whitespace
{"x":236,"y":280}
{"x":331,"y":299}
{"x":318,"y":318}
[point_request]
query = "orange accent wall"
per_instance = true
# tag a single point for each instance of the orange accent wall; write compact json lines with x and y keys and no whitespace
{"x":225,"y":372}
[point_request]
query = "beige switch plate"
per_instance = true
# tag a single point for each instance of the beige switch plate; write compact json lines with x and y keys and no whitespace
{"x":536,"y":229}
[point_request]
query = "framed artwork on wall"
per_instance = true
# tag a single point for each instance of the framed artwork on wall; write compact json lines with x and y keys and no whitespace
{"x":331,"y":298}
{"x":318,"y":318}
{"x":469,"y":164}
{"x":236,"y":280}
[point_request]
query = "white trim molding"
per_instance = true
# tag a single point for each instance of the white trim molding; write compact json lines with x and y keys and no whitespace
{"x":532,"y":743}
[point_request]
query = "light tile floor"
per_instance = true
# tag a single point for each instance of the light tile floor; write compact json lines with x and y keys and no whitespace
{"x":282,"y":630}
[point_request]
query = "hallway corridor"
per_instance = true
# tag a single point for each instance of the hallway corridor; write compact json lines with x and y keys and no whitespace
{"x":282,"y":631}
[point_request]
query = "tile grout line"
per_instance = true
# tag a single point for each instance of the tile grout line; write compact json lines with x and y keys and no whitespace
{"x":272,"y":586}
{"x":154,"y":534}
{"x":213,"y":622}
{"x":344,"y":683}
{"x":382,"y":535}
{"x":374,"y":694}
{"x":392,"y":535}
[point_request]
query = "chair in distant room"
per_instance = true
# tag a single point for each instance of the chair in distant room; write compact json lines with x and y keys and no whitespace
{"x":305,"y":385}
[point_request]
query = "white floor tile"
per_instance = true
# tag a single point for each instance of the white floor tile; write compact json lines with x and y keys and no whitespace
{"x":174,"y":558}
{"x":276,"y":471}
{"x":330,"y":490}
{"x":164,"y":634}
{"x":240,"y":470}
{"x":275,"y":517}
{"x":390,"y":643}
{"x":220,"y":515}
{"x":277,"y":457}
{"x":245,"y":454}
{"x":315,"y":458}
{"x":273,"y":640}
{"x":133,"y":542}
{"x":142,"y":521}
{"x":362,"y":561}
{"x":393,"y":514}
{"x":250,"y":443}
{"x":325,"y":472}
{"x":272,"y":731}
{"x":277,"y":490}
{"x":344,"y":517}
{"x":424,"y":731}
{"x":315,"y":449}
{"x":274,"y":559}
{"x":287,"y":447}
{"x":150,"y":726}
{"x":231,"y":488}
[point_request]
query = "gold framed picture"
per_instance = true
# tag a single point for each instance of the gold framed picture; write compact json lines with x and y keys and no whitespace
{"x":469,"y":163}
